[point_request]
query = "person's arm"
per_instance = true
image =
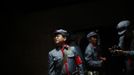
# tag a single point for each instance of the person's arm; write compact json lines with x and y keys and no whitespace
{"x":89,"y":59}
{"x":78,"y":62}
{"x":51,"y":65}
{"x":127,"y":53}
{"x":131,"y":53}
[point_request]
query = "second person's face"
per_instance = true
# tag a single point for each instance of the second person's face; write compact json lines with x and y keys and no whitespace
{"x":93,"y":40}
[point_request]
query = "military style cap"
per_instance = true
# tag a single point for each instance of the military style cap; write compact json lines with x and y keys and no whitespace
{"x":91,"y":34}
{"x":62,"y":32}
{"x":122,"y":26}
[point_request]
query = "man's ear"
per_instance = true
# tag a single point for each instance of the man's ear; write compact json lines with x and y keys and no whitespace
{"x":65,"y":38}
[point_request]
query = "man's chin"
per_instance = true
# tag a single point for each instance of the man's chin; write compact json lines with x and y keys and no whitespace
{"x":57,"y":42}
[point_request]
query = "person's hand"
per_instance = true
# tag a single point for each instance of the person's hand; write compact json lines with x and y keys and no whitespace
{"x":119,"y":52}
{"x":103,"y":58}
{"x":113,"y":48}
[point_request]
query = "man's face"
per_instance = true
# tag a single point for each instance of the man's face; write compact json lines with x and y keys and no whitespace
{"x":93,"y":39}
{"x":59,"y":39}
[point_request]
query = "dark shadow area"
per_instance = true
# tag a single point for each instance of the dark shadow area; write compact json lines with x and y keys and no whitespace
{"x":28,"y":27}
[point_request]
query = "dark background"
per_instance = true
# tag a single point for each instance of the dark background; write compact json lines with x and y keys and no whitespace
{"x":28,"y":27}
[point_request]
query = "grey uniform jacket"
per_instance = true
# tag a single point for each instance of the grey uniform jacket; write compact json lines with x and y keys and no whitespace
{"x":128,"y":53}
{"x":91,"y":56}
{"x":56,"y":62}
{"x":131,"y":51}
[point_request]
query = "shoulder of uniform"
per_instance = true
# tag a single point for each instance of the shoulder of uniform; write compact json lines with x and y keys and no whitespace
{"x":52,"y":51}
{"x":72,"y":47}
{"x":88,"y":48}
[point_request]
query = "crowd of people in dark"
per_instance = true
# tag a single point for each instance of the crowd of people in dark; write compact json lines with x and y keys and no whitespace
{"x":69,"y":58}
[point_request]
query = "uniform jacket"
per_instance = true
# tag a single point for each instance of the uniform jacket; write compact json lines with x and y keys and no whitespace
{"x":92,"y":56}
{"x":56,"y":62}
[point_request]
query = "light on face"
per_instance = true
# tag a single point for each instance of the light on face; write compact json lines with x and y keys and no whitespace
{"x":59,"y":39}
